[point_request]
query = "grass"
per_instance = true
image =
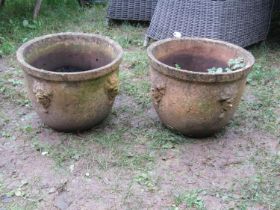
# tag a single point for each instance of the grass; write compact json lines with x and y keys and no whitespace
{"x":146,"y":179}
{"x":189,"y":200}
{"x":264,"y":187}
{"x":134,"y":80}
{"x":11,"y":87}
{"x":54,"y":17}
{"x":260,"y":190}
{"x":16,"y":198}
{"x":131,"y":139}
{"x":263,"y":109}
{"x":139,"y":90}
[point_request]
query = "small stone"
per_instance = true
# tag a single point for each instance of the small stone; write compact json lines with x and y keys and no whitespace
{"x":24,"y":182}
{"x":130,"y":155}
{"x":87,"y":174}
{"x":52,"y":190}
{"x":18,"y":193}
{"x":71,"y":167}
{"x":44,"y":153}
{"x":177,"y":34}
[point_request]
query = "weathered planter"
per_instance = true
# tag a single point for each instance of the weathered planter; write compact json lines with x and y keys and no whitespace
{"x":193,"y":101}
{"x":72,"y":78}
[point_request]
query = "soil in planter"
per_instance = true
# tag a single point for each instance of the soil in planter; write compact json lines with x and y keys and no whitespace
{"x":71,"y":62}
{"x":69,"y":69}
{"x":197,"y":63}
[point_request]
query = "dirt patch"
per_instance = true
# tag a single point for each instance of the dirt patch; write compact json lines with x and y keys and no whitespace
{"x":210,"y":164}
{"x":129,"y":161}
{"x":2,"y":66}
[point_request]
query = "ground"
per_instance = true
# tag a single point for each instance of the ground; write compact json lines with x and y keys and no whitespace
{"x":131,"y":161}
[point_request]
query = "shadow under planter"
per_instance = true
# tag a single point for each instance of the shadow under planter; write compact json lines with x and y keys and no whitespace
{"x":72,"y":78}
{"x":186,"y":97}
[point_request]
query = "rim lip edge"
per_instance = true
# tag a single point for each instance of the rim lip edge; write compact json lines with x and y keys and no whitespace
{"x":199,"y":76}
{"x":69,"y":76}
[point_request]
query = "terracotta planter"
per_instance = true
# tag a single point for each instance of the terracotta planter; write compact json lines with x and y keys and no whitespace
{"x":72,"y":78}
{"x":191,"y":100}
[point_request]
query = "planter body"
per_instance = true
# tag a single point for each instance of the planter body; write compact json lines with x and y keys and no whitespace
{"x":196,"y":103}
{"x":71,"y":78}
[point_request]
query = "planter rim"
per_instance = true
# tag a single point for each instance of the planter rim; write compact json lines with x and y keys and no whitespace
{"x":200,"y":76}
{"x":70,"y":76}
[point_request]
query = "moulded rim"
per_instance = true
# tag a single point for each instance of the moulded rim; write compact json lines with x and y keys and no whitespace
{"x":70,"y":76}
{"x":200,"y":76}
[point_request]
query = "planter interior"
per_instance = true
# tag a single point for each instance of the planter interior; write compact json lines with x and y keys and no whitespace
{"x":198,"y":56}
{"x":68,"y":55}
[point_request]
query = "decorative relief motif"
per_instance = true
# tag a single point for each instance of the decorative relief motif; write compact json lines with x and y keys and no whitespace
{"x":43,"y":96}
{"x":227,"y":104}
{"x":158,"y":92}
{"x":112,"y":87}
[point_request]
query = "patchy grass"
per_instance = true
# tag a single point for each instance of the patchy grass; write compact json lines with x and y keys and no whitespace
{"x":11,"y":87}
{"x":16,"y":198}
{"x":263,"y":188}
{"x":132,"y":144}
{"x":139,"y":90}
{"x":262,"y":109}
{"x":56,"y":17}
{"x":258,"y":191}
{"x":188,"y":200}
{"x":145,"y":179}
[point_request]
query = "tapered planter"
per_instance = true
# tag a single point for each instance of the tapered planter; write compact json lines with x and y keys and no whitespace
{"x":189,"y":99}
{"x":71,"y":78}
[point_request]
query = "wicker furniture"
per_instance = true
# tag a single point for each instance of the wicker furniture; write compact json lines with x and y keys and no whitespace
{"x":277,"y":5}
{"x":139,"y":10}
{"x":236,"y":21}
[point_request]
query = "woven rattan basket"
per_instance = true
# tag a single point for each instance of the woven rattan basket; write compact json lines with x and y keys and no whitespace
{"x":236,"y":21}
{"x":138,"y":10}
{"x":277,"y":5}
